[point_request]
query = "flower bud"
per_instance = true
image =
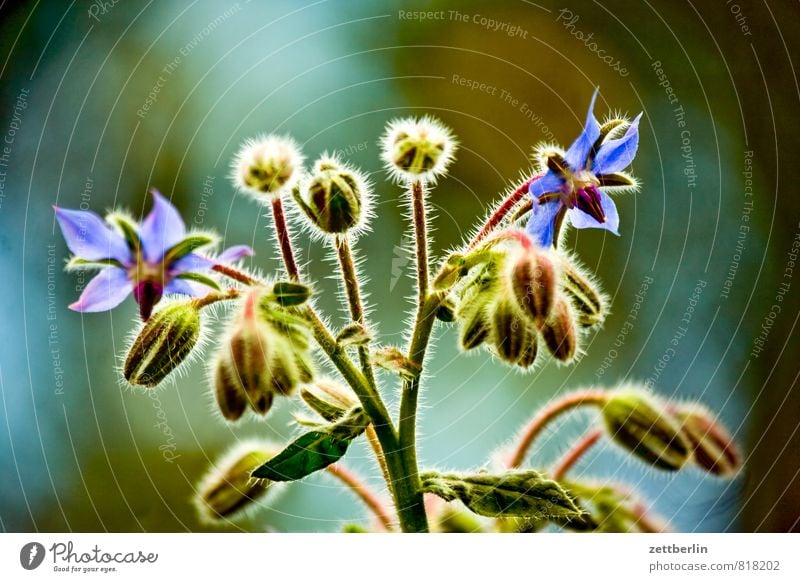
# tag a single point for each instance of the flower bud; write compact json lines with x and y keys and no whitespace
{"x":165,"y":340}
{"x":634,"y":420}
{"x":508,"y":331}
{"x":584,"y":294}
{"x":267,"y":166}
{"x":559,"y":332}
{"x":265,"y":354}
{"x":474,"y":307}
{"x":530,"y":348}
{"x":533,"y":279}
{"x":417,"y":149}
{"x":328,"y":398}
{"x":334,"y":197}
{"x":714,"y":449}
{"x":228,"y":488}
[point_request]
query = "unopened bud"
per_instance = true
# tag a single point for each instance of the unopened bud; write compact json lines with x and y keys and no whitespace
{"x":533,"y":279}
{"x":334,"y":197}
{"x":559,"y":332}
{"x":267,"y":166}
{"x":446,"y":311}
{"x":714,"y":449}
{"x":508,"y":331}
{"x":290,"y":293}
{"x":585,"y":296}
{"x":475,"y":326}
{"x":228,"y":488}
{"x":474,"y":307}
{"x":634,"y":420}
{"x":165,"y":340}
{"x":328,"y":398}
{"x":417,"y":149}
{"x":530,"y":348}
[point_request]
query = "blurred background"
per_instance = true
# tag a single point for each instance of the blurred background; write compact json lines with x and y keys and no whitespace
{"x":101,"y":100}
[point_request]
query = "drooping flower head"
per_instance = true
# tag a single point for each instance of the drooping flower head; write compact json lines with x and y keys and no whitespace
{"x":150,"y":259}
{"x":417,"y":149}
{"x":267,"y":166}
{"x":573,"y":184}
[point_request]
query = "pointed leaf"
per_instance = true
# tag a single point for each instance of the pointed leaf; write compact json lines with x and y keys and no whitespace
{"x":186,"y":246}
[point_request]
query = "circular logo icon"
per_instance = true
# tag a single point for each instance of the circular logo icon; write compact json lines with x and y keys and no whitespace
{"x":31,"y":555}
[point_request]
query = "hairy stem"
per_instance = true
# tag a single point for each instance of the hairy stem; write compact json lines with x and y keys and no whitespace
{"x":549,"y":413}
{"x":284,"y":240}
{"x":505,"y":207}
{"x":353,"y":291}
{"x":364,"y":493}
{"x":235,"y":274}
{"x":216,"y":296}
{"x":573,"y":455}
{"x":423,"y":326}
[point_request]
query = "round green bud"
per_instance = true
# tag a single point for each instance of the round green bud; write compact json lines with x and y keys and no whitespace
{"x":334,"y":197}
{"x":417,"y":149}
{"x":267,"y":166}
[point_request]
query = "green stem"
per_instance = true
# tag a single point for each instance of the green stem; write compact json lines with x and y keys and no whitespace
{"x":423,"y":326}
{"x":353,"y":291}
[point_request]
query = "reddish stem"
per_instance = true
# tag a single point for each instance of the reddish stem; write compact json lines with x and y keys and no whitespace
{"x":575,"y":453}
{"x":284,"y":240}
{"x":550,"y":413}
{"x":364,"y":493}
{"x":501,"y":212}
{"x":235,"y":274}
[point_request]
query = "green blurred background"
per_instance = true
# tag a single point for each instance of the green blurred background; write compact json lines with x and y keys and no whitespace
{"x":78,"y":452}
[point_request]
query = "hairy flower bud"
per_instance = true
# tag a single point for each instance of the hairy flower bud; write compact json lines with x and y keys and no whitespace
{"x":265,"y":354}
{"x":559,"y":332}
{"x":329,"y":399}
{"x":334,"y":197}
{"x":267,"y":166}
{"x":508,"y":331}
{"x":636,"y":422}
{"x":165,"y":340}
{"x":714,"y":449}
{"x":530,"y":348}
{"x":533,"y":280}
{"x":417,"y":149}
{"x":584,"y":294}
{"x":228,"y":488}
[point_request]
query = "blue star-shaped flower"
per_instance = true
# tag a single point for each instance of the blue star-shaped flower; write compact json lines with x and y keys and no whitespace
{"x":150,"y":259}
{"x":571,"y":184}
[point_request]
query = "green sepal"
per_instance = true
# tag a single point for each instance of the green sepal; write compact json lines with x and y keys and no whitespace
{"x":314,"y":450}
{"x":392,"y":359}
{"x":510,"y":494}
{"x":354,"y":334}
{"x":199,"y":278}
{"x":186,"y":246}
{"x":76,"y":263}
{"x":290,"y":294}
{"x":128,"y":230}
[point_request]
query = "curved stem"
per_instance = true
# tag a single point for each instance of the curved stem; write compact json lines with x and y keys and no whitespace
{"x":364,"y":493}
{"x":505,"y":207}
{"x":575,"y":453}
{"x":550,"y":413}
{"x":353,"y":291}
{"x":235,"y":274}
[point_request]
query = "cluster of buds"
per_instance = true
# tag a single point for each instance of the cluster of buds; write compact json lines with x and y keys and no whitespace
{"x":669,"y":436}
{"x":266,"y":351}
{"x":512,"y":301}
{"x":228,"y":489}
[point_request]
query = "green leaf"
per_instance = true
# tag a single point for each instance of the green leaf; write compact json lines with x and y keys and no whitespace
{"x":191,"y":276}
{"x":289,"y":294}
{"x":314,"y":450}
{"x":186,"y":246}
{"x":511,"y":494}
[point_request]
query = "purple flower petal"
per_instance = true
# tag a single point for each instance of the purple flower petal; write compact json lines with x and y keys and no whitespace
{"x":108,"y":289}
{"x":234,"y":253}
{"x":161,"y":229}
{"x":191,"y":262}
{"x":541,"y":226}
{"x":185,"y":287}
{"x":578,"y":152}
{"x":617,"y":154}
{"x":580,"y":219}
{"x":550,"y":182}
{"x":89,"y":238}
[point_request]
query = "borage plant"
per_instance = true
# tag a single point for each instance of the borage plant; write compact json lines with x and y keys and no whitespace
{"x":512,"y":288}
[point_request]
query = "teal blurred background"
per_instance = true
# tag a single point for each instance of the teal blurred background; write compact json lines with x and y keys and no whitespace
{"x":80,"y":453}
